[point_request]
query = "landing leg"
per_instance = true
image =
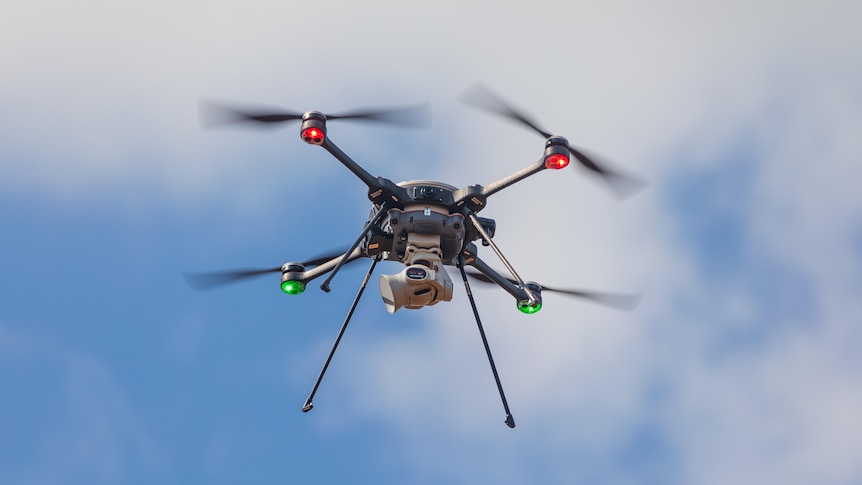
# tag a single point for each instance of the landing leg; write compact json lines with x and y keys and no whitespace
{"x":510,"y":421}
{"x":308,"y":404}
{"x":374,"y":220}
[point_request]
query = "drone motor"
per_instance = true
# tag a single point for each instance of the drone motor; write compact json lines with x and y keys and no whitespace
{"x":313,"y":129}
{"x":528,"y":307}
{"x":290,"y":278}
{"x":556,"y":153}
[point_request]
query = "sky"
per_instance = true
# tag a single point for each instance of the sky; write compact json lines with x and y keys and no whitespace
{"x":741,"y":364}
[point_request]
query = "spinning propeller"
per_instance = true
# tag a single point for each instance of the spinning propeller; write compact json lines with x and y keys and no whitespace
{"x":613,"y":300}
{"x":214,"y":279}
{"x":215,"y":114}
{"x":483,"y":98}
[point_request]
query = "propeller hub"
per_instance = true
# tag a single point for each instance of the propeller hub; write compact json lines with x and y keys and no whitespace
{"x":557,"y":141}
{"x":314,"y":115}
{"x":530,"y":307}
{"x":290,"y":278}
{"x":313,"y":129}
{"x":293,"y":268}
{"x":556,"y":153}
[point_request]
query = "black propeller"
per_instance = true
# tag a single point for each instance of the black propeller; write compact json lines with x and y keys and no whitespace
{"x":479,"y":96}
{"x":214,"y":279}
{"x":215,"y":114}
{"x":614,"y":300}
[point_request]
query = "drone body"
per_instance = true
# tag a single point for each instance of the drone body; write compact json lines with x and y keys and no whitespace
{"x":424,"y":225}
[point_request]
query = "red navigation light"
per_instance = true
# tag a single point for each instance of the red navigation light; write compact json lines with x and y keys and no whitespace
{"x":556,"y":161}
{"x":313,"y":135}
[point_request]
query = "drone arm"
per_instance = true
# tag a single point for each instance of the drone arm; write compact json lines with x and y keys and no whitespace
{"x":472,"y":260}
{"x":501,"y":184}
{"x":487,"y":239}
{"x":306,"y":276}
{"x":473,"y":197}
{"x":379,"y":189}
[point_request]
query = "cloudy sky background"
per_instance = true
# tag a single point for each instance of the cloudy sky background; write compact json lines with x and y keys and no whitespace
{"x":740,"y":366}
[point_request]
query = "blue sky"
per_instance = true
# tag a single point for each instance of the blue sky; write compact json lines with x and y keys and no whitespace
{"x":740,"y":366}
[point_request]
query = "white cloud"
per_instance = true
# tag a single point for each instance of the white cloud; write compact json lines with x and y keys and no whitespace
{"x":641,"y":84}
{"x":780,"y":410}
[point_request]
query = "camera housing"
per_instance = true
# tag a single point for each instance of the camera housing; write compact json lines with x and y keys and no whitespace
{"x":423,"y":282}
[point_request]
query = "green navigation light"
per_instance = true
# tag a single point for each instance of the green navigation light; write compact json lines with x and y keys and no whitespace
{"x":293,"y":287}
{"x":525,"y":307}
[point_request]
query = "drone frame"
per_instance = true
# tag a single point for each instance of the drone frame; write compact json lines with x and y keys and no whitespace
{"x":455,"y":210}
{"x":468,"y":202}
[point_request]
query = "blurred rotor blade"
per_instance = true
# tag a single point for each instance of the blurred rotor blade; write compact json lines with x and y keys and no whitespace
{"x":479,"y":96}
{"x":624,"y":186}
{"x":206,"y":281}
{"x":418,"y":116}
{"x":214,"y":279}
{"x":217,"y":114}
{"x":613,"y":300}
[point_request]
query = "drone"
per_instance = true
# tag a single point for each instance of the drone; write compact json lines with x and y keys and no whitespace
{"x":425,"y":225}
